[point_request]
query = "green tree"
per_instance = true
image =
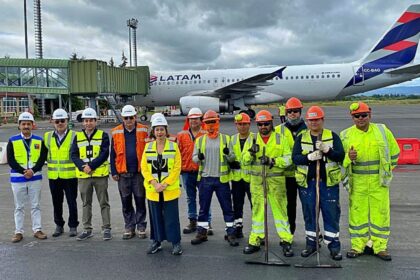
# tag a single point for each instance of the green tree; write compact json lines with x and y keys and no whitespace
{"x":123,"y":60}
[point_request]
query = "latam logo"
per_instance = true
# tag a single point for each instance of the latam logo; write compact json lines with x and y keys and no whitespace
{"x":154,"y":78}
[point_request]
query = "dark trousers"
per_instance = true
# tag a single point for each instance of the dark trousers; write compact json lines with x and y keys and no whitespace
{"x":329,"y":203}
{"x":291,"y":191}
{"x":59,"y":188}
{"x":189,"y":181}
{"x":207,"y":186}
{"x":282,"y":119}
{"x":164,"y":220}
{"x":131,"y":185}
{"x":239,"y":190}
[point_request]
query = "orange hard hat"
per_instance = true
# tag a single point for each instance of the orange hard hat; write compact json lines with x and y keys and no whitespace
{"x":314,"y":113}
{"x":293,"y":103}
{"x":359,"y":107}
{"x":263,"y":116}
{"x":211,"y":115}
{"x":242,"y":118}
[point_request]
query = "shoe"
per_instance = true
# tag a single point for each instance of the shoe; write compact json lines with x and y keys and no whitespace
{"x":107,"y":234}
{"x":154,"y":247}
{"x":336,"y":256}
{"x":250,"y":249}
{"x":384,"y":255}
{"x":128,"y":234}
{"x":287,"y":249}
{"x":352,"y":254}
{"x":141,"y":234}
{"x":232,"y":240}
{"x":17,"y":237}
{"x":191,"y":227}
{"x":210,"y":230}
{"x":58,"y":231}
{"x":239,"y":232}
{"x":200,"y":237}
{"x":308,"y":251}
{"x":85,"y":235}
{"x":177,"y":249}
{"x":73,"y":232}
{"x":40,"y":235}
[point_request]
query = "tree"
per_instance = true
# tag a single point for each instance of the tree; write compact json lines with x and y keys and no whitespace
{"x":111,"y":62}
{"x":123,"y":60}
{"x":75,"y":57}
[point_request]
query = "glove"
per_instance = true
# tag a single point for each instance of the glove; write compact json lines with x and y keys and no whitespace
{"x":317,"y":155}
{"x":319,"y":145}
{"x":234,"y":165}
{"x":255,"y":148}
{"x":200,"y":155}
{"x":226,"y":150}
{"x":265,"y":160}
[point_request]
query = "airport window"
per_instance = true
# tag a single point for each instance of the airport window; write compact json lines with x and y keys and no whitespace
{"x":307,"y":77}
{"x":312,"y":76}
{"x":208,"y":81}
{"x":322,"y":76}
{"x":301,"y":77}
{"x":13,"y":78}
{"x":333,"y":76}
{"x":317,"y":76}
{"x":228,"y":80}
{"x":338,"y":75}
{"x":2,"y":76}
{"x":291,"y":77}
{"x":328,"y":76}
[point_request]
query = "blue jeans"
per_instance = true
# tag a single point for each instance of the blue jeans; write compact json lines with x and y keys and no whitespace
{"x":189,"y":181}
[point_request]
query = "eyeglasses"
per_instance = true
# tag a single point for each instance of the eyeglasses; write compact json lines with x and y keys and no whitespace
{"x":210,"y":122}
{"x":129,"y":118}
{"x":60,"y":121}
{"x":264,"y":123}
{"x":358,"y":116}
{"x":293,"y":111}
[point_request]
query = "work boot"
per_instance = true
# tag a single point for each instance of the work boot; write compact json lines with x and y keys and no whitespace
{"x":177,"y":249}
{"x":250,"y":249}
{"x":308,"y":251}
{"x":154,"y":247}
{"x":73,"y":232}
{"x":141,"y":233}
{"x":336,"y":256}
{"x":384,"y":255}
{"x":40,"y":235}
{"x":191,"y":227}
{"x":210,"y":230}
{"x":238,"y":232}
{"x":352,"y":254}
{"x":17,"y":237}
{"x":128,"y":234}
{"x":200,"y":237}
{"x":232,"y":240}
{"x":58,"y":231}
{"x":287,"y":249}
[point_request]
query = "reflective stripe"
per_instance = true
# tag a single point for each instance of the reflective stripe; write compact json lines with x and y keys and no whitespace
{"x":117,"y":131}
{"x":82,"y":144}
{"x":384,"y":236}
{"x":278,"y":138}
{"x":95,"y":142}
{"x":382,"y":130}
{"x":255,"y":223}
{"x":238,"y":221}
{"x":310,"y":233}
{"x":380,"y":228}
{"x":359,"y":227}
{"x":275,"y":174}
{"x":224,"y":173}
{"x":203,"y":224}
{"x":142,"y":129}
{"x":168,"y":156}
{"x":367,"y":163}
{"x":61,"y":161}
{"x":331,"y":234}
{"x":60,"y":168}
{"x":257,"y":231}
{"x":365,"y":172}
{"x":229,"y":224}
{"x":355,"y":235}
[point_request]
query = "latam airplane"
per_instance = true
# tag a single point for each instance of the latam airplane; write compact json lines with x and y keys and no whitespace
{"x":389,"y":62}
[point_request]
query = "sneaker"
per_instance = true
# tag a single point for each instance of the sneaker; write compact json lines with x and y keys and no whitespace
{"x":352,"y":254}
{"x":177,"y":249}
{"x":58,"y":231}
{"x":308,"y":251}
{"x":73,"y":232}
{"x":17,"y":237}
{"x":384,"y":255}
{"x":154,"y":247}
{"x":85,"y":235}
{"x":191,"y":227}
{"x":287,"y":249}
{"x":142,"y":234}
{"x":128,"y":234}
{"x":210,"y":230}
{"x":107,"y":234}
{"x":40,"y":235}
{"x":250,"y":249}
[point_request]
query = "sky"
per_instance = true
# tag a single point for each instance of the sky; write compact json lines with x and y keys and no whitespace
{"x":203,"y":34}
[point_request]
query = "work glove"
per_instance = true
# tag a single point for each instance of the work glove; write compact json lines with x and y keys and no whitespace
{"x":319,"y":145}
{"x":234,"y":165}
{"x":226,"y":150}
{"x":200,"y":155}
{"x":255,"y":148}
{"x":317,"y":155}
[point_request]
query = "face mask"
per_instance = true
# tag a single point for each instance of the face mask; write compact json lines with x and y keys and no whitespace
{"x":214,"y":127}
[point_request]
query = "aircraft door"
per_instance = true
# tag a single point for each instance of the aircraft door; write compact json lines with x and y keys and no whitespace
{"x":359,"y":76}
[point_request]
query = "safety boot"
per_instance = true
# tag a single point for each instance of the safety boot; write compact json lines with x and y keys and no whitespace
{"x":232,"y":240}
{"x":287,"y":249}
{"x":308,"y":251}
{"x":384,"y":255}
{"x":200,"y":237}
{"x":250,"y":249}
{"x":210,"y":230}
{"x":239,"y":231}
{"x":353,"y":254}
{"x":191,"y":227}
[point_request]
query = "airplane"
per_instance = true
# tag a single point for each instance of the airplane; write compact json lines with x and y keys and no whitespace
{"x":389,"y":62}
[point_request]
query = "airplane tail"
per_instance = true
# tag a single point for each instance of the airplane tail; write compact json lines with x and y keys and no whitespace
{"x":399,"y":44}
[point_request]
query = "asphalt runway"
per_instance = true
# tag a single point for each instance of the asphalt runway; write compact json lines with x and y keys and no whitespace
{"x":66,"y":258}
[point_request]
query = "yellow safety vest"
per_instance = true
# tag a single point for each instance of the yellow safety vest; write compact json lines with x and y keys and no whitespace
{"x":282,"y":110}
{"x":200,"y":143}
{"x":287,"y":134}
{"x":332,"y":168}
{"x":95,"y":142}
{"x":59,"y":162}
{"x":26,"y":159}
{"x":243,"y":172}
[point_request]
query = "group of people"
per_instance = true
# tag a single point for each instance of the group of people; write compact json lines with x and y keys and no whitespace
{"x":289,"y":159}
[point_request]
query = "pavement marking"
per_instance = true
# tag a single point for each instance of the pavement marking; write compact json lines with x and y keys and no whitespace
{"x":1,"y":174}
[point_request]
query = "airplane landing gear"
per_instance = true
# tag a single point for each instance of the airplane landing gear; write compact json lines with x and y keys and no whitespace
{"x":250,"y":112}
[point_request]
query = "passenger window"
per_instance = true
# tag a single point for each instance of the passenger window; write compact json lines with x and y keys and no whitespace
{"x":333,"y":76}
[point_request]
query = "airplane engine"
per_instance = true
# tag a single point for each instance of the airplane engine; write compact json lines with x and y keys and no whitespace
{"x":204,"y":103}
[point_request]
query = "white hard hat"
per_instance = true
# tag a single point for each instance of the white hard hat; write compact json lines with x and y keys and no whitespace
{"x":128,"y":111}
{"x":26,"y":116}
{"x":195,"y":113}
{"x":158,"y":119}
{"x":89,"y":113}
{"x":60,"y":114}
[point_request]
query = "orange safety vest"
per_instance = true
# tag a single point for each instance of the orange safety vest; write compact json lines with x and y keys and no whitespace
{"x":186,"y":147}
{"x":119,"y":146}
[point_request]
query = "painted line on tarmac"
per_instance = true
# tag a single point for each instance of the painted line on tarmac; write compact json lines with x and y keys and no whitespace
{"x":1,"y":174}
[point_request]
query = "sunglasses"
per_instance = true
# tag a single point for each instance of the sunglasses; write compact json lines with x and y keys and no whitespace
{"x":293,"y":111}
{"x":264,"y":123}
{"x":129,"y":118}
{"x":210,"y":122}
{"x":60,"y":121}
{"x":358,"y":116}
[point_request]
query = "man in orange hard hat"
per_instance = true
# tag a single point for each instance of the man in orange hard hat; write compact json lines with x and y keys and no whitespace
{"x":318,"y":144}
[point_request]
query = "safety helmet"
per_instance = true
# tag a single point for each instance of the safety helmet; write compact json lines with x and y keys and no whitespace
{"x":263,"y":116}
{"x":158,"y":119}
{"x":359,"y":107}
{"x":26,"y":116}
{"x":89,"y":113}
{"x":314,"y":113}
{"x":211,"y":115}
{"x":242,"y":118}
{"x":128,"y":111}
{"x":293,"y":103}
{"x":195,"y":113}
{"x":60,"y":114}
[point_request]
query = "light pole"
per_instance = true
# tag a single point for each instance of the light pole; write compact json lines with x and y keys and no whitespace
{"x":132,"y":24}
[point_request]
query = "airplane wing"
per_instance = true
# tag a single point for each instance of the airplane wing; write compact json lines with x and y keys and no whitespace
{"x":412,"y":69}
{"x":248,"y":86}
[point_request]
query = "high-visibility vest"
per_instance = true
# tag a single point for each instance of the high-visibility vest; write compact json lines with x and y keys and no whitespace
{"x":288,"y":136}
{"x":243,"y":172}
{"x":119,"y":146}
{"x":59,"y":162}
{"x":25,"y":157}
{"x":332,"y":168}
{"x":186,"y":147}
{"x":95,"y":142}
{"x":172,"y":191}
{"x":282,"y":110}
{"x":224,"y":167}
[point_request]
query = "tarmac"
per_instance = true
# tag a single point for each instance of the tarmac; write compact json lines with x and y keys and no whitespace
{"x":66,"y":258}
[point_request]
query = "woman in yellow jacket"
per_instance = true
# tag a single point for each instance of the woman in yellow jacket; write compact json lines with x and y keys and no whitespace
{"x":161,"y":167}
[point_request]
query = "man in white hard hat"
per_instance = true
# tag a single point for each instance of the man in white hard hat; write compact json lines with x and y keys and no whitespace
{"x":127,"y":146}
{"x":26,"y":154}
{"x":89,"y":152}
{"x":62,"y":172}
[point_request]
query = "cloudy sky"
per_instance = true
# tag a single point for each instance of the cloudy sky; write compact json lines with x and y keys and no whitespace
{"x":203,"y":34}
